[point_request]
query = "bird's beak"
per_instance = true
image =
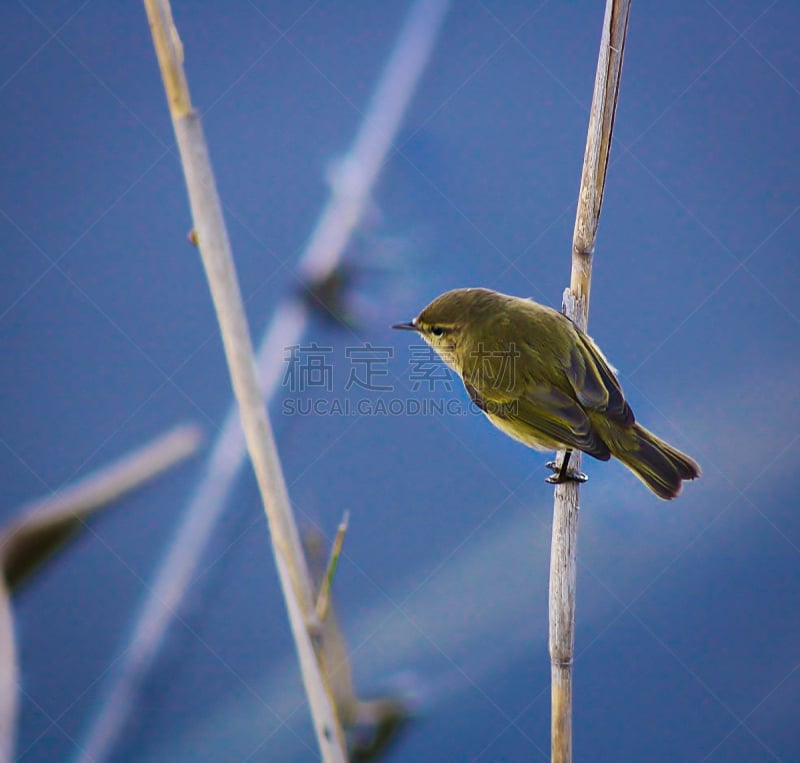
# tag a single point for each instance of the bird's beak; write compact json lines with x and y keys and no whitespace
{"x":405,"y":326}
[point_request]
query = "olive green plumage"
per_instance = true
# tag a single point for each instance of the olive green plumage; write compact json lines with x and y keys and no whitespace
{"x":544,"y":382}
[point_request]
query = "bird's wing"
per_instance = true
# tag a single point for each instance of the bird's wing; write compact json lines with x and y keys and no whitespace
{"x":548,"y":381}
{"x":545,"y":415}
{"x":594,"y":383}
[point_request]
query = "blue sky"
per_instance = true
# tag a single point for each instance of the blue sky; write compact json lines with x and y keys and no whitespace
{"x":687,"y":612}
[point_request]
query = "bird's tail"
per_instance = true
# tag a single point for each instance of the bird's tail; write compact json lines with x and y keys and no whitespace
{"x":656,"y":463}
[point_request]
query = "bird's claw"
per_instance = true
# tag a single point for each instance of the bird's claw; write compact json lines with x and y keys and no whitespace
{"x":571,"y":476}
{"x":563,"y":474}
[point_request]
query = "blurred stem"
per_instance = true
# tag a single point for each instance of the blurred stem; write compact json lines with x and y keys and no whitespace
{"x":9,"y":681}
{"x":223,"y":282}
{"x":563,"y":554}
{"x":44,"y":524}
{"x":327,"y":580}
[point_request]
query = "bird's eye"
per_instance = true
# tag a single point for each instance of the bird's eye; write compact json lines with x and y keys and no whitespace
{"x":437,"y":331}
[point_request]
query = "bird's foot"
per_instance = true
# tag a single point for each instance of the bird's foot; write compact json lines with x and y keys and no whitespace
{"x":573,"y":475}
{"x":563,"y":473}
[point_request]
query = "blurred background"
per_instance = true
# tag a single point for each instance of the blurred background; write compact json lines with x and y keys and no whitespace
{"x":688,"y":612}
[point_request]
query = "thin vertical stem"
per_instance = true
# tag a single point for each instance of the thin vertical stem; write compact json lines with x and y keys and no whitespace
{"x":563,"y":555}
{"x":9,"y":677}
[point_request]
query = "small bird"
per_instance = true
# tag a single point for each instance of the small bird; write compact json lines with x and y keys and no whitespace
{"x":544,"y":382}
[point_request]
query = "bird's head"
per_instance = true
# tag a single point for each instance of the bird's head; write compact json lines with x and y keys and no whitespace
{"x":446,"y":321}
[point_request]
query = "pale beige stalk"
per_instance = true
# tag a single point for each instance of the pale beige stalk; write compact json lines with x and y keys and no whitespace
{"x":563,"y":554}
{"x":220,"y":270}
